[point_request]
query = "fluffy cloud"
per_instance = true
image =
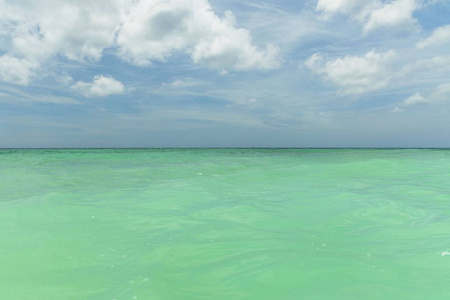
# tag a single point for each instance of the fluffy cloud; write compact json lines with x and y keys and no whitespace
{"x":15,"y":70}
{"x":373,"y":14}
{"x":355,"y":74}
{"x":394,"y":14}
{"x":101,"y":86}
{"x":439,"y":37}
{"x":78,"y":30}
{"x":154,"y":30}
{"x":412,"y":100}
{"x":40,"y":30}
{"x":141,"y":31}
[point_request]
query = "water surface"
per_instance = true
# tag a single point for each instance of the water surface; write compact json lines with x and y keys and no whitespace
{"x":225,"y":224}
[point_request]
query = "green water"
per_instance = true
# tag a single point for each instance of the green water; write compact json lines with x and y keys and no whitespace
{"x":224,"y":224}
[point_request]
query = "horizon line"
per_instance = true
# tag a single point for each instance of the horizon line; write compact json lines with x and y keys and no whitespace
{"x":212,"y":148}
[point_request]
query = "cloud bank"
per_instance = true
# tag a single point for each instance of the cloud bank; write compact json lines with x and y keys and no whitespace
{"x":154,"y":30}
{"x":139,"y":32}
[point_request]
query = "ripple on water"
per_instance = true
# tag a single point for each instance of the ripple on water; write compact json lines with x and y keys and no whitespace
{"x":159,"y":224}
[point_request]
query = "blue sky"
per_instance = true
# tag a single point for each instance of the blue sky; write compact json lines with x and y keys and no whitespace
{"x":198,"y":73}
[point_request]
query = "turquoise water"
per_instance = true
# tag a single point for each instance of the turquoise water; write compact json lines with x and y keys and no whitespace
{"x":225,"y":224}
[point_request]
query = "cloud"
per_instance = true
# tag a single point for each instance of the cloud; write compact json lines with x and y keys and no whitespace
{"x":356,"y":8}
{"x":426,"y":67}
{"x":247,"y":101}
{"x":439,"y":37}
{"x":443,"y":89}
{"x":415,"y":99}
{"x":41,"y":30}
{"x":65,"y":79}
{"x":155,"y":30}
{"x":373,"y":14}
{"x":355,"y":74}
{"x":14,"y":70}
{"x":180,"y":83}
{"x":16,"y":95}
{"x":397,"y":14}
{"x":139,"y":31}
{"x":101,"y":86}
{"x":78,"y":30}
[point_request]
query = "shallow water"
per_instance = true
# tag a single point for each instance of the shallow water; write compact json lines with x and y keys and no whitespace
{"x":225,"y":224}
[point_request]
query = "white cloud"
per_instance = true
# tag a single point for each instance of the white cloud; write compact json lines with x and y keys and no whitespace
{"x":154,"y":30}
{"x":444,"y":89}
{"x":40,"y":30}
{"x":439,"y":37}
{"x":373,"y":14}
{"x":79,"y":30}
{"x":393,"y":14}
{"x":334,"y":6}
{"x":14,"y":70}
{"x":247,"y":101}
{"x":181,"y":83}
{"x":358,"y":9}
{"x":101,"y":86}
{"x":65,"y":79}
{"x":140,"y":31}
{"x":415,"y":99}
{"x":355,"y":74}
{"x":435,"y":65}
{"x":398,"y":109}
{"x":436,"y":62}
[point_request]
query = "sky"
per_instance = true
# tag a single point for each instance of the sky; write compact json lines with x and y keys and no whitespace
{"x":224,"y":73}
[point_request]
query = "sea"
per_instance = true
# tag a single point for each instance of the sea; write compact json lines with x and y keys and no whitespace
{"x":224,"y":224}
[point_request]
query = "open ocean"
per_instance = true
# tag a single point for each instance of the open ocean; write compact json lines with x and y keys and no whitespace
{"x":225,"y":224}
